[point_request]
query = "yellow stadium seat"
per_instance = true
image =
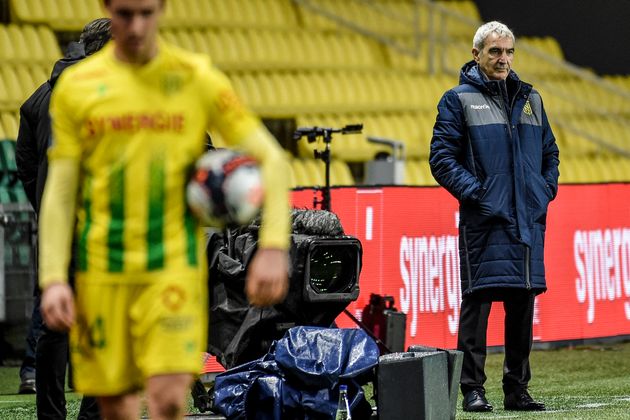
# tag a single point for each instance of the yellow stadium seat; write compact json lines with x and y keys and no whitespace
{"x":301,"y":177}
{"x":427,"y":176}
{"x":340,"y":173}
{"x":199,"y":41}
{"x":315,"y":171}
{"x":7,"y":52}
{"x":250,"y":13}
{"x":567,"y":170}
{"x":14,"y":92}
{"x":95,"y":9}
{"x":170,"y":36}
{"x":34,"y":43}
{"x":80,"y":11}
{"x":62,"y":15}
{"x":10,"y":124}
{"x":5,"y":102}
{"x":412,"y":175}
{"x":20,"y":47}
{"x":184,"y":40}
{"x":623,"y":164}
{"x":31,"y":11}
{"x":26,"y":81}
{"x":49,"y":43}
{"x":39,"y":73}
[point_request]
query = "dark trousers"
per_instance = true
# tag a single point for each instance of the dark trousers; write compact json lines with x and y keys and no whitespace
{"x":52,"y":360}
{"x":471,"y":340}
{"x":27,"y":369}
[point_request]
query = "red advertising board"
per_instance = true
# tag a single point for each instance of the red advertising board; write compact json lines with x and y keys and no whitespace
{"x":410,"y":251}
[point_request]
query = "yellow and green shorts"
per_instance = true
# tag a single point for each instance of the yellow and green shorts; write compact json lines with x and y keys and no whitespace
{"x":127,"y":333}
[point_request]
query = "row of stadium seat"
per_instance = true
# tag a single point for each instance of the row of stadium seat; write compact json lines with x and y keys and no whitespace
{"x":28,"y":44}
{"x":72,"y":15}
{"x":578,"y":135}
{"x":389,"y":18}
{"x":587,"y":94}
{"x":61,"y":15}
{"x":600,"y":168}
{"x":300,"y":92}
{"x":250,"y":48}
{"x":272,"y":49}
{"x":296,"y":49}
{"x":385,"y":18}
{"x":621,"y":80}
{"x":18,"y":81}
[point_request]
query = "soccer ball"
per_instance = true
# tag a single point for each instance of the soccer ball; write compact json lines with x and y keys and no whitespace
{"x":225,"y":188}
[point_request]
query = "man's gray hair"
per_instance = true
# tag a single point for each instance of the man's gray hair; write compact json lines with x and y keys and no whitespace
{"x":95,"y":34}
{"x":486,"y":29}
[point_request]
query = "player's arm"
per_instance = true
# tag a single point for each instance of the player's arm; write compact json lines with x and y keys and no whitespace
{"x":242,"y":130}
{"x":57,"y":215}
{"x":267,"y":281}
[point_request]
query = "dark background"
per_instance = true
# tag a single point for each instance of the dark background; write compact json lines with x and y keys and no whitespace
{"x":592,"y":33}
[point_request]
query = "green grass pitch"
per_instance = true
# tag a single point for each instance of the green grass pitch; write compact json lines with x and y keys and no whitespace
{"x":583,"y":382}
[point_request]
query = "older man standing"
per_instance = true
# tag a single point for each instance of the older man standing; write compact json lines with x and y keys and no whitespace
{"x":493,"y":149}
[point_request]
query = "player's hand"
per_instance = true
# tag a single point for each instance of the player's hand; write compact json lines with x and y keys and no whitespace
{"x":57,"y":306}
{"x":267,"y":280}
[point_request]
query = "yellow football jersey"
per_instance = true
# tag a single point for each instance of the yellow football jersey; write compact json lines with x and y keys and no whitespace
{"x":136,"y":131}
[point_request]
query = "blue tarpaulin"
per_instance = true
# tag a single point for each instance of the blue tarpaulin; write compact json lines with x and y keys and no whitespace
{"x":300,"y":375}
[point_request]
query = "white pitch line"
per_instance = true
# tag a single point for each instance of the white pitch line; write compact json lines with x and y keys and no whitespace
{"x":592,"y":405}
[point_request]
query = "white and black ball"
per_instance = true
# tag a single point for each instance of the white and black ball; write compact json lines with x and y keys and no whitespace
{"x":225,"y":188}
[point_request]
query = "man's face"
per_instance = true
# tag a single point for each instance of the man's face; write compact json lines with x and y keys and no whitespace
{"x":135,"y":27}
{"x":495,"y":59}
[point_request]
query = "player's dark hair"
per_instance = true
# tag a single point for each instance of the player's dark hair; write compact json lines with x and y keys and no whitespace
{"x":95,"y":34}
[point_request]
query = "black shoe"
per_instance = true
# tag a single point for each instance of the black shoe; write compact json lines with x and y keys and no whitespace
{"x":522,"y":401}
{"x":476,"y":401}
{"x":27,"y":386}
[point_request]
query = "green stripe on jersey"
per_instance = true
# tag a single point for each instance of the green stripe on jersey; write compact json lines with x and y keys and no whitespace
{"x":83,"y":236}
{"x":155,"y":228}
{"x":115,"y":232}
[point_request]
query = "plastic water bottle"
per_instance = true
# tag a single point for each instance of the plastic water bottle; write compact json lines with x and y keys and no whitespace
{"x":343,"y":407}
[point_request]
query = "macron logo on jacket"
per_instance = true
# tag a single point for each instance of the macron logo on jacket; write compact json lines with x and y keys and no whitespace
{"x":484,"y":106}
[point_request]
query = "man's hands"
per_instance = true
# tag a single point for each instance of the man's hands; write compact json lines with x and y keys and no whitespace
{"x":267,"y":280}
{"x":57,"y":306}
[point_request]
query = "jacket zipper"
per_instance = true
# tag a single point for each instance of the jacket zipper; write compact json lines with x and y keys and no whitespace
{"x":528,"y":284}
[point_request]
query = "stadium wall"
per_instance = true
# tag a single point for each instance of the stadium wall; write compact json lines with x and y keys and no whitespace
{"x":409,"y":237}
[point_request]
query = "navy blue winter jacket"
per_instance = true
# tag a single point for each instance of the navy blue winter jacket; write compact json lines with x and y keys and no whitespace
{"x":34,"y":133}
{"x":493,"y":149}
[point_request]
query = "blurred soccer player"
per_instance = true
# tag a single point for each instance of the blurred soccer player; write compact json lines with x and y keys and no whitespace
{"x":128,"y":124}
